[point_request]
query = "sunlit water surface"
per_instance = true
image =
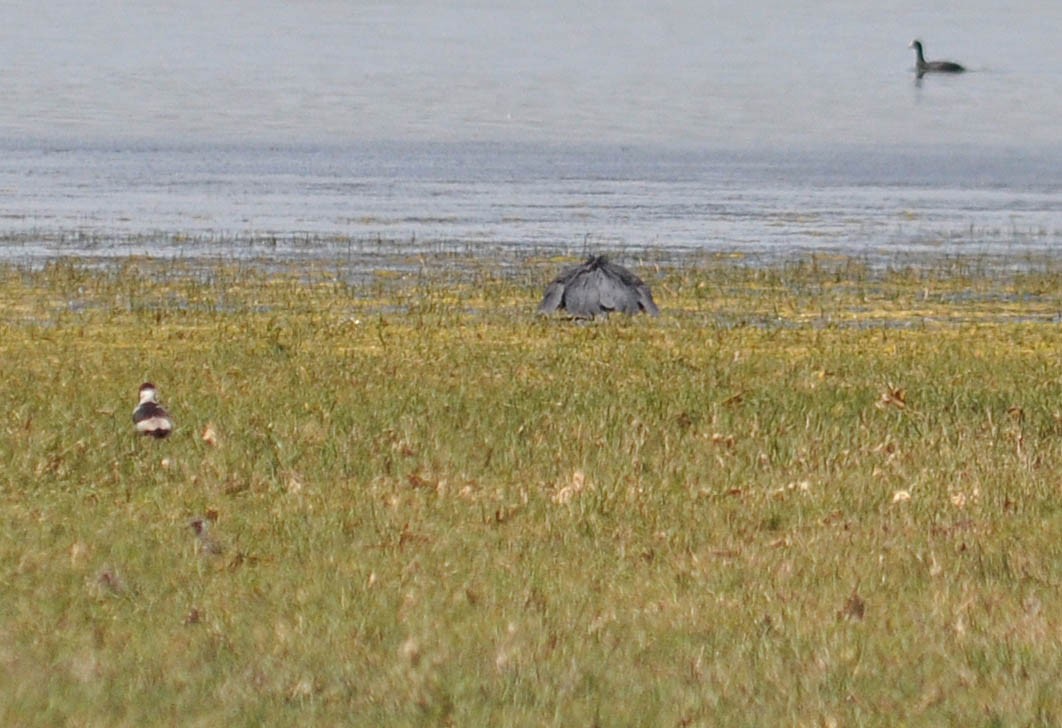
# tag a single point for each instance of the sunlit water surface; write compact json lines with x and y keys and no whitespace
{"x":295,"y":130}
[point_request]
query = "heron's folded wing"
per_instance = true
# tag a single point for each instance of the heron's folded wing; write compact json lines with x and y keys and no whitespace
{"x":645,"y":300}
{"x":553,"y":298}
{"x":582,"y":296}
{"x":618,"y":289}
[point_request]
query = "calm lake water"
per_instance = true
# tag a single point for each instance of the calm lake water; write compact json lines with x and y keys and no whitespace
{"x":300,"y":129}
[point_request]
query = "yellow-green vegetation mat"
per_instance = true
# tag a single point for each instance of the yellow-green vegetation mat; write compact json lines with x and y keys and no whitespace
{"x":806,"y":494}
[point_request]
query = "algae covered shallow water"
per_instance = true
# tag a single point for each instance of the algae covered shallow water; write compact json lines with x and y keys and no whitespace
{"x":306,"y":202}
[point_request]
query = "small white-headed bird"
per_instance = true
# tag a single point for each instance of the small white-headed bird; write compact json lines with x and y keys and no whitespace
{"x":149,"y":416}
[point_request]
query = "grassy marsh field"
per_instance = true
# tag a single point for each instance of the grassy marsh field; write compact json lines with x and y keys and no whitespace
{"x":808,"y":494}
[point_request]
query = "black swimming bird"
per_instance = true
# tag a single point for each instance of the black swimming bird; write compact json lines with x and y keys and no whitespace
{"x":595,"y":287}
{"x":149,"y":416}
{"x":924,"y":66}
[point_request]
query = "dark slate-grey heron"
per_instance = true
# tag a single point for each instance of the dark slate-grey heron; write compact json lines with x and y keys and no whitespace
{"x":597,"y":287}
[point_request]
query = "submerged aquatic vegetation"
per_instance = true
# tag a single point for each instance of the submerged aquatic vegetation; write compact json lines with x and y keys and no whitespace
{"x":804,"y":494}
